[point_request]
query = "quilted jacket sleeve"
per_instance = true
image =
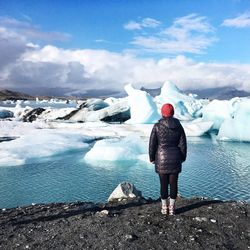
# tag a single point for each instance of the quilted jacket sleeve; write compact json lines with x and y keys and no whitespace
{"x":183,"y":144}
{"x":153,"y":144}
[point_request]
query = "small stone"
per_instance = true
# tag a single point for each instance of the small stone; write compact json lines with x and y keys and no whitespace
{"x":33,"y":204}
{"x":210,"y":207}
{"x":213,"y":220}
{"x":199,"y":230}
{"x":175,"y":242}
{"x":3,"y":209}
{"x":200,"y":219}
{"x":27,"y":246}
{"x":177,"y":219}
{"x":130,"y":237}
{"x":104,"y":212}
{"x":160,"y":232}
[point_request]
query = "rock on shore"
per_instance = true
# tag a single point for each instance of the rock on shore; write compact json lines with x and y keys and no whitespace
{"x":129,"y":224}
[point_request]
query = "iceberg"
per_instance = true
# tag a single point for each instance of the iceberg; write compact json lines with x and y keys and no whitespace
{"x":119,"y":111}
{"x":219,"y":110}
{"x":198,"y":127}
{"x":142,"y":106}
{"x":187,"y":107}
{"x":6,"y":114}
{"x":117,"y":149}
{"x":40,"y":143}
{"x":236,"y":127}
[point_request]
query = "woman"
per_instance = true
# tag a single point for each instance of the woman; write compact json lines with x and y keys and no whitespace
{"x":167,"y":150}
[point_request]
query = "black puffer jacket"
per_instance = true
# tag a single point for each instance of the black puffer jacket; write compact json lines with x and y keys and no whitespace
{"x":168,"y":146}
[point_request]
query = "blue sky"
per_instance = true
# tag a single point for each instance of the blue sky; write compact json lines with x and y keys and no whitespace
{"x":209,"y":39}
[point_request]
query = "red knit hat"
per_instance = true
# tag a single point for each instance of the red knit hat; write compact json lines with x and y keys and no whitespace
{"x":167,"y":110}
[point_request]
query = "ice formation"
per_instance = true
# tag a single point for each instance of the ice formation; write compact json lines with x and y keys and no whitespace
{"x":187,"y":107}
{"x":6,"y":114}
{"x":117,"y":149}
{"x":236,"y":127}
{"x":39,"y":143}
{"x":142,"y":106}
{"x":218,"y":110}
{"x":128,"y":141}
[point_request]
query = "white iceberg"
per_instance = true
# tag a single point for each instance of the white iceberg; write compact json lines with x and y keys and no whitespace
{"x":117,"y":149}
{"x":186,"y":107}
{"x":236,"y":127}
{"x":142,"y":106}
{"x":219,"y":110}
{"x":197,"y":127}
{"x":39,"y":143}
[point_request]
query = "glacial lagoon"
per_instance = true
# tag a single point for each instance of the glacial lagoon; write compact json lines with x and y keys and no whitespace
{"x":214,"y":169}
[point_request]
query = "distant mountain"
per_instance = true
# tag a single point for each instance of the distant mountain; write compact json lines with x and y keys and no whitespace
{"x":224,"y":93}
{"x":13,"y":95}
{"x":152,"y":92}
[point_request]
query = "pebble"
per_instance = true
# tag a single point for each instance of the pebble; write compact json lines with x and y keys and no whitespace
{"x":103,"y":212}
{"x":200,"y":219}
{"x":213,"y":220}
{"x":130,"y":237}
{"x":3,"y":209}
{"x":33,"y":204}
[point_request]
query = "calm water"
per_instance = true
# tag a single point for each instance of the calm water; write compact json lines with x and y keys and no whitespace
{"x":219,"y":170}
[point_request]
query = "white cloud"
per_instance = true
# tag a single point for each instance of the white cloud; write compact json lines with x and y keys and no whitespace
{"x":241,"y":21}
{"x":31,"y":31}
{"x":145,"y":23}
{"x":26,"y":66}
{"x":88,"y":70}
{"x":188,"y":34}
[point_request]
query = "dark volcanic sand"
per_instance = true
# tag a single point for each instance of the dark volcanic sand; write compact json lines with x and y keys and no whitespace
{"x":138,"y":224}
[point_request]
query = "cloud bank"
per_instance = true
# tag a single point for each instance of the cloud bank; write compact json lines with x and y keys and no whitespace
{"x":52,"y":70}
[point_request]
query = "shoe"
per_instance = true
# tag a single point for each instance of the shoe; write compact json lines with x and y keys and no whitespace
{"x":171,"y":210}
{"x":164,"y":210}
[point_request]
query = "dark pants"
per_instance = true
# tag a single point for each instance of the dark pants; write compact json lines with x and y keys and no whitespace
{"x":171,"y":179}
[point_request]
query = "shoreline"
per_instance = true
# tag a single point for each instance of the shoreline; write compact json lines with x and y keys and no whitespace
{"x":129,"y":224}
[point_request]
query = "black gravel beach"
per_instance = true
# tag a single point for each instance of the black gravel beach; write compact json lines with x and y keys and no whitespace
{"x":128,"y":224}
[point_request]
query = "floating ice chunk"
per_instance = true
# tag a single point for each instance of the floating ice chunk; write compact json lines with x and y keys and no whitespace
{"x":236,"y":127}
{"x":53,"y":114}
{"x":219,"y":110}
{"x":117,"y":149}
{"x":186,"y":107}
{"x":6,"y":114}
{"x":94,"y":104}
{"x":39,"y":143}
{"x":196,"y":127}
{"x":142,"y":106}
{"x":84,"y":115}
